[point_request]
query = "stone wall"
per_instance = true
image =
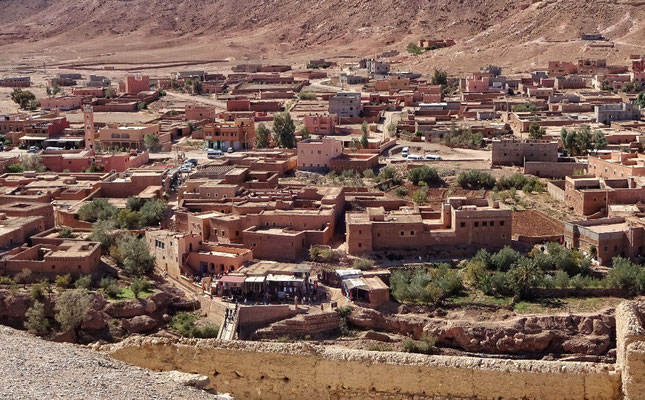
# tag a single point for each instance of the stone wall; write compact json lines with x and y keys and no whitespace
{"x":258,"y":370}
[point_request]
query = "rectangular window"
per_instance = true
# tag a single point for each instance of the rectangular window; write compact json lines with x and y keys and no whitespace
{"x":501,"y":223}
{"x":463,"y":224}
{"x":476,"y":224}
{"x":484,"y":223}
{"x":492,"y":223}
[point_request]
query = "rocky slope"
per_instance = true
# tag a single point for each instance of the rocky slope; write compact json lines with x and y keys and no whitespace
{"x":37,"y":369}
{"x":523,"y":33}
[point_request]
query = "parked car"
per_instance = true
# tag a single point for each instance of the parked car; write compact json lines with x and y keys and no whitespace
{"x":432,"y":157}
{"x":186,"y":168}
{"x":32,"y":149}
{"x":212,"y":153}
{"x":230,"y":150}
{"x":414,"y":157}
{"x":405,"y":151}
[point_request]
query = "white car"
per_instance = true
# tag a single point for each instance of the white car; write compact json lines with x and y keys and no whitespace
{"x":414,"y":157}
{"x":405,"y":151}
{"x":432,"y":157}
{"x":186,"y":168}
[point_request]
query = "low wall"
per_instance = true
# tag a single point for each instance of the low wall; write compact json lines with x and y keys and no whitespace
{"x":547,"y":169}
{"x":257,"y":370}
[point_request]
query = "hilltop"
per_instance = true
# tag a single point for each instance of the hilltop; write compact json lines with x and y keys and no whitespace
{"x":529,"y":33}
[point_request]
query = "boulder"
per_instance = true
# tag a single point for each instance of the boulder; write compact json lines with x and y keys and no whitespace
{"x":93,"y":321}
{"x":125,"y":309}
{"x":66,"y":337}
{"x":141,"y":323}
{"x":381,"y":337}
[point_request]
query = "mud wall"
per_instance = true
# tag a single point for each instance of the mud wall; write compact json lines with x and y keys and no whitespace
{"x":259,"y":370}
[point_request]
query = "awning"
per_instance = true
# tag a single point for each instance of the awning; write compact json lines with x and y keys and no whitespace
{"x":283,"y":278}
{"x":65,"y":140}
{"x":33,"y":138}
{"x":235,"y":280}
{"x":254,"y":279}
{"x":347,"y":273}
{"x":354,"y":283}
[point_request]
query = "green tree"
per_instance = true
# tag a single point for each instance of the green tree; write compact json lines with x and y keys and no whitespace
{"x":110,"y":92}
{"x":475,"y":179}
{"x":262,"y":136}
{"x":32,"y":162}
{"x":304,"y":133}
{"x":640,"y":100}
{"x":523,"y":276}
{"x":128,"y":219}
{"x":599,"y":140}
{"x":424,"y":174}
{"x":97,"y":210}
{"x":142,"y":105}
{"x":71,"y":307}
{"x":440,"y":77}
{"x":152,"y":142}
{"x":307,"y":96}
{"x":536,"y":132}
{"x":22,"y":97}
{"x":364,"y":141}
{"x":420,"y":196}
{"x":285,"y":130}
{"x":37,"y":323}
{"x":139,"y":286}
{"x":83,"y":282}
{"x":63,"y":281}
{"x":414,"y":49}
{"x":134,"y":255}
{"x":66,"y":233}
{"x":134,"y":203}
{"x":152,"y":212}
{"x":102,"y":233}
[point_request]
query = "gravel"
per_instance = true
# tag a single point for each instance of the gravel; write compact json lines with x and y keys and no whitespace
{"x":37,"y":369}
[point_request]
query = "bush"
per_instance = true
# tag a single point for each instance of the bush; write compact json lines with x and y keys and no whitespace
{"x":504,"y":259}
{"x":463,"y":137}
{"x":625,"y":275}
{"x":343,"y":312}
{"x":71,"y":307}
{"x":425,"y":285}
{"x":97,"y":210}
{"x":420,"y":196}
{"x":6,"y":281}
{"x":84,"y":282}
{"x":110,"y":287}
{"x":369,"y":174}
{"x":521,"y":182}
{"x":363,"y":264}
{"x":401,"y":191}
{"x":138,"y":286}
{"x":66,"y":233}
{"x":307,"y":96}
{"x":322,"y":254}
{"x":133,"y":255}
{"x":387,"y":173}
{"x":424,"y":346}
{"x":63,"y":281}
{"x":37,"y":323}
{"x":424,"y":174}
{"x":39,"y":290}
{"x":475,"y":180}
{"x":185,"y":324}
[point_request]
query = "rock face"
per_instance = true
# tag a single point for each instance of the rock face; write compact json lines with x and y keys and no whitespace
{"x":301,"y":325}
{"x":125,"y":309}
{"x":579,"y":334}
{"x":139,"y":324}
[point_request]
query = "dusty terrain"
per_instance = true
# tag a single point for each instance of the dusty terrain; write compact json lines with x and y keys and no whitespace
{"x":55,"y":370}
{"x":523,"y":34}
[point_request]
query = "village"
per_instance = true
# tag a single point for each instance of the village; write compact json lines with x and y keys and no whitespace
{"x":337,"y":200}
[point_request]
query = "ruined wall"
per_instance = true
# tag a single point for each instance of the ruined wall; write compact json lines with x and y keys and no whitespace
{"x":256,"y":370}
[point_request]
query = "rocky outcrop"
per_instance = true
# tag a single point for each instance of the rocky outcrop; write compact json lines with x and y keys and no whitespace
{"x":125,"y":309}
{"x":578,"y":334}
{"x":139,"y":324}
{"x":301,"y":325}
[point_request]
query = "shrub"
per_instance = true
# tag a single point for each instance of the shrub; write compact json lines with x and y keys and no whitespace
{"x":63,"y":281}
{"x":110,"y":287}
{"x":71,"y":307}
{"x":138,"y":286}
{"x":152,"y":211}
{"x":401,"y":191}
{"x":206,"y":331}
{"x":307,"y":96}
{"x":503,"y":259}
{"x":424,"y":174}
{"x":524,"y":275}
{"x":322,"y":254}
{"x":84,"y":282}
{"x":424,"y":346}
{"x":561,"y":280}
{"x":624,"y":274}
{"x":475,"y":179}
{"x":425,"y":285}
{"x":463,"y":137}
{"x":369,"y":174}
{"x":185,"y":324}
{"x":66,"y":233}
{"x":133,"y":255}
{"x":387,"y":173}
{"x":343,"y":312}
{"x":39,"y":290}
{"x":420,"y":196}
{"x":363,"y":264}
{"x":24,"y":276}
{"x":37,"y":323}
{"x":6,"y":281}
{"x":97,"y":210}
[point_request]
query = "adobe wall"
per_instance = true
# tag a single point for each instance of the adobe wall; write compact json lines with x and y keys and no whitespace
{"x":258,"y":370}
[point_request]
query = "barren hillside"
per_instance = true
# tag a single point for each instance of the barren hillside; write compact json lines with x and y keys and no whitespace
{"x":525,"y":32}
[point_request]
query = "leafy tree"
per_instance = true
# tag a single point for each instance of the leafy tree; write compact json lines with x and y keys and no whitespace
{"x":185,"y":324}
{"x":134,"y":203}
{"x":463,"y":137}
{"x":606,"y":85}
{"x":97,"y":210}
{"x":71,"y":307}
{"x":307,"y":96}
{"x":152,"y":142}
{"x":15,"y":168}
{"x":110,"y":92}
{"x":524,"y":275}
{"x":391,"y":129}
{"x":32,"y":162}
{"x":640,"y":100}
{"x":262,"y":136}
{"x":23,"y":98}
{"x":110,"y":287}
{"x":83,"y":282}
{"x":504,"y":259}
{"x":133,"y":255}
{"x":138,"y":286}
{"x":526,"y":107}
{"x":102,"y":233}
{"x":304,"y":133}
{"x":364,"y":141}
{"x":475,"y":179}
{"x":197,"y":87}
{"x":285,"y":130}
{"x":599,"y":140}
{"x":63,"y":281}
{"x":424,"y":174}
{"x":420,"y":196}
{"x":142,"y":105}
{"x":440,"y":77}
{"x":401,"y":191}
{"x":387,"y":173}
{"x":128,"y":219}
{"x":536,"y":132}
{"x":55,"y":89}
{"x":37,"y":323}
{"x":152,"y":212}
